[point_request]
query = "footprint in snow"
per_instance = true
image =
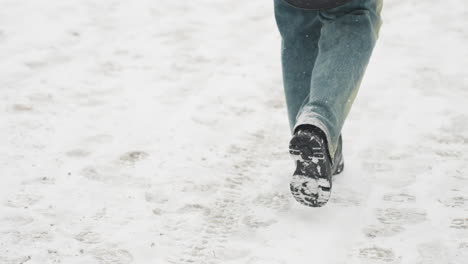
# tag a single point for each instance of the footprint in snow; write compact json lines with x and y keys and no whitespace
{"x":23,"y":200}
{"x":112,"y":255}
{"x":399,"y":198}
{"x":88,"y":237}
{"x":22,"y":108}
{"x":77,"y":153}
{"x":16,"y":260}
{"x":133,"y":156}
{"x":455,"y":202}
{"x":376,"y":255}
{"x":156,"y":197}
{"x":92,"y":173}
{"x":459,"y":223}
{"x":275,"y":201}
{"x":194,"y":208}
{"x":107,"y":174}
{"x":383,"y":231}
{"x":256,"y":222}
{"x":400,"y":216}
{"x":463,"y":245}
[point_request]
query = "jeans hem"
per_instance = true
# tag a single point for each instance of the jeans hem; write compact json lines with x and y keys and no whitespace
{"x":315,"y":120}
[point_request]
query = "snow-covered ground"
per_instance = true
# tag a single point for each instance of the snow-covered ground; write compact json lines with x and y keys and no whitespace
{"x":156,"y":132}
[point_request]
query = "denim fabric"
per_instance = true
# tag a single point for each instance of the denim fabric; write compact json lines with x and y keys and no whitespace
{"x":316,"y":4}
{"x":324,"y":56}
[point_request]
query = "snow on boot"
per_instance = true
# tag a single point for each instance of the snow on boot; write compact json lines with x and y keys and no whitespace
{"x":311,"y":183}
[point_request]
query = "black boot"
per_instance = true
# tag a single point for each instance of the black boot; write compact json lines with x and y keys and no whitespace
{"x":311,"y":183}
{"x":338,"y":162}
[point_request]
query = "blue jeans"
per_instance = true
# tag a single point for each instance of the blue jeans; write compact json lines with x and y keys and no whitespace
{"x":324,"y":56}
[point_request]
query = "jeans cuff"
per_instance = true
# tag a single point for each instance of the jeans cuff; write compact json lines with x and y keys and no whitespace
{"x":315,"y":119}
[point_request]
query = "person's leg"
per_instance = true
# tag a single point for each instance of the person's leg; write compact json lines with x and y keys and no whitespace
{"x":300,"y":32}
{"x":347,"y":38}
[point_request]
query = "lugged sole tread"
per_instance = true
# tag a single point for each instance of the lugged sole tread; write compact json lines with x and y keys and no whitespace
{"x":310,"y":185}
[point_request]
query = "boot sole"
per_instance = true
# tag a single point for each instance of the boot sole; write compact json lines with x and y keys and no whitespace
{"x":311,"y":184}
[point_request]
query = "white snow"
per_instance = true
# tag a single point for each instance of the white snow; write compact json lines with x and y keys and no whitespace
{"x":156,"y":132}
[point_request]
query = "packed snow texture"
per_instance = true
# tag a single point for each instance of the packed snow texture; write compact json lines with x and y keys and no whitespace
{"x":156,"y":132}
